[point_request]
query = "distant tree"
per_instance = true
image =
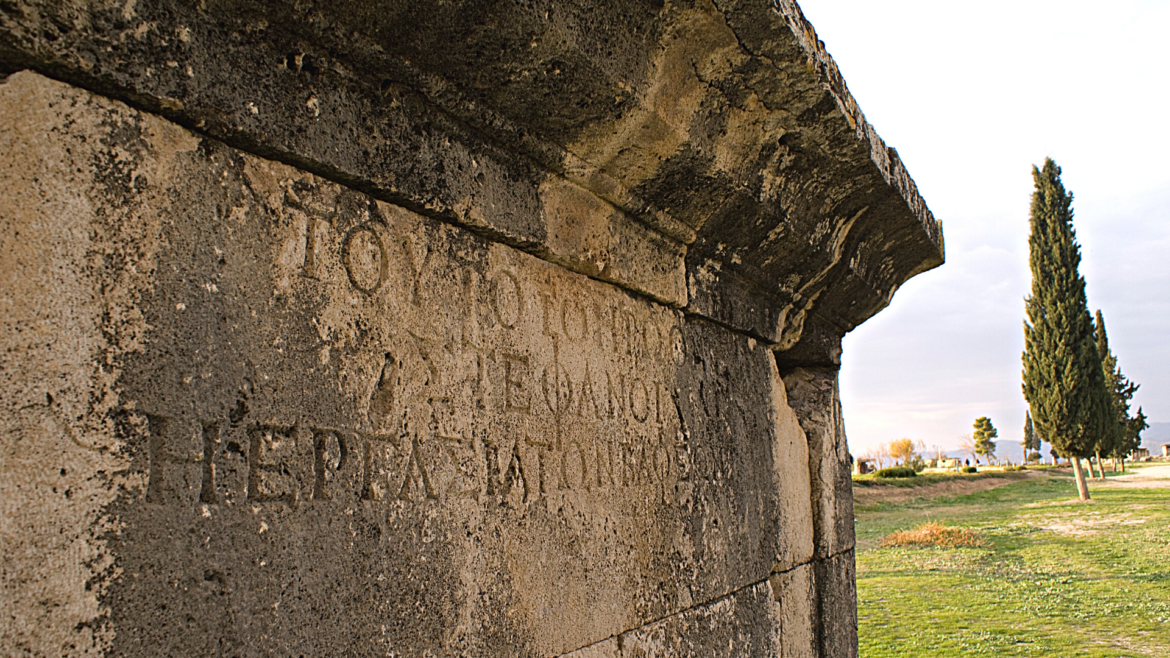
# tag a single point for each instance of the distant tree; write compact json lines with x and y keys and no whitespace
{"x":1063,"y":380}
{"x":901,"y":450}
{"x":967,"y":446}
{"x":983,"y":436}
{"x":1117,"y":441}
{"x":1035,"y":456}
{"x":1133,"y":435}
{"x":1031,"y":442}
{"x":1120,"y":391}
{"x":917,"y":463}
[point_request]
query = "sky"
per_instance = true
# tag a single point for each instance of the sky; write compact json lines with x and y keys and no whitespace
{"x":972,"y":95}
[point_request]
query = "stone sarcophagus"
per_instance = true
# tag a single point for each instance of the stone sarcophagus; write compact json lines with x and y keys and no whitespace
{"x":399,"y":329}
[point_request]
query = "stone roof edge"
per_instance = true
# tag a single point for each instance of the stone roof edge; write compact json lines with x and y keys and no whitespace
{"x":884,"y":157}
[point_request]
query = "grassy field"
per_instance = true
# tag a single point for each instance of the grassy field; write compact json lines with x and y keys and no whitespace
{"x":1051,"y":578}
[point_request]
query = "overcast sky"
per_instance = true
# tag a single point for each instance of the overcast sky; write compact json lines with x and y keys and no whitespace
{"x":972,"y":95}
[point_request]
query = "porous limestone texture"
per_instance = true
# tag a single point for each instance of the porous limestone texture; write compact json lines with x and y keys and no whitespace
{"x":432,"y":329}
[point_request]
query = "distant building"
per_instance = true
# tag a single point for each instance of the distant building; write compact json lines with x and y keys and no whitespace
{"x":1166,"y":449}
{"x":1140,"y":453}
{"x":863,"y":466}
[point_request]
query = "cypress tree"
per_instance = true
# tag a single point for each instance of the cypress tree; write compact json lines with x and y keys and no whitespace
{"x":1031,"y":442}
{"x":1133,"y":434}
{"x":1114,"y":439}
{"x":1063,"y":380}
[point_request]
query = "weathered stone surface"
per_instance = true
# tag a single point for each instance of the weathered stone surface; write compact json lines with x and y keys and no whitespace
{"x":234,"y":72}
{"x":296,"y":419}
{"x":432,"y":329}
{"x":747,"y":622}
{"x":836,"y":585}
{"x":720,"y":125}
{"x":814,"y":396}
{"x":795,"y":590}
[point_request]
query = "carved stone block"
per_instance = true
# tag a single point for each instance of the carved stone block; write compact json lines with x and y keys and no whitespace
{"x":432,"y":329}
{"x":321,"y":423}
{"x":836,"y":585}
{"x":814,"y":396}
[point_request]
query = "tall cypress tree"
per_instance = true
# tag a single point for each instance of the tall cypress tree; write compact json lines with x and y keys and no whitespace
{"x":1133,"y":434}
{"x":1113,"y":441}
{"x":1063,"y":380}
{"x":1031,"y":442}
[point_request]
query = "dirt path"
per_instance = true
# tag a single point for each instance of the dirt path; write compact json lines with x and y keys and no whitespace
{"x":1150,"y":477}
{"x":890,"y":494}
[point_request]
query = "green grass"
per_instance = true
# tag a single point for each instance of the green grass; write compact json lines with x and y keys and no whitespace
{"x":1054,"y":578}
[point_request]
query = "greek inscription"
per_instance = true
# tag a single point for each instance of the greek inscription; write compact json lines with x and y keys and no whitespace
{"x":639,"y":400}
{"x":290,"y":463}
{"x":382,"y":399}
{"x":421,"y":261}
{"x":273,"y":461}
{"x":574,"y":467}
{"x":589,"y":398}
{"x":158,"y":485}
{"x":365,"y":259}
{"x":499,"y":487}
{"x":548,"y":308}
{"x":557,"y":389}
{"x":517,"y":397}
{"x":541,"y":453}
{"x":378,"y":455}
{"x":330,"y":454}
{"x":574,"y":319}
{"x":318,"y":218}
{"x":313,"y":230}
{"x":469,"y":409}
{"x":416,"y":467}
{"x":505,"y":298}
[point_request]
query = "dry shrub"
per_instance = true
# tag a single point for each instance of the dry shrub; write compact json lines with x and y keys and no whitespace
{"x":934,"y":534}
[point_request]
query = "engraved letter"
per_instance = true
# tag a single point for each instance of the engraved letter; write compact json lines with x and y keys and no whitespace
{"x":414,"y":463}
{"x":573,"y":319}
{"x":264,"y":476}
{"x":499,"y":488}
{"x":326,"y":460}
{"x":157,"y":486}
{"x":516,"y":395}
{"x":421,"y":267}
{"x":639,"y":400}
{"x":382,"y":399}
{"x":505,"y":298}
{"x":365,"y":259}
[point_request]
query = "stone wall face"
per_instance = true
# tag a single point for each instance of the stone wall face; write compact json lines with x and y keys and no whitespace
{"x":300,"y":407}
